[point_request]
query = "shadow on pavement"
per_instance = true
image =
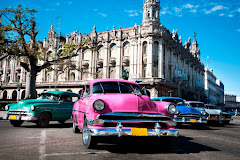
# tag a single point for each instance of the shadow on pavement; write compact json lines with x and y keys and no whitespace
{"x":195,"y":126}
{"x":148,"y":145}
{"x":56,"y":125}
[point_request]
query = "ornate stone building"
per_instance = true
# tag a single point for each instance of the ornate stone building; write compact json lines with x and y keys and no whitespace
{"x":149,"y":53}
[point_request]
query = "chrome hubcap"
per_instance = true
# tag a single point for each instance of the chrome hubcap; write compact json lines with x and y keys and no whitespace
{"x":85,"y":135}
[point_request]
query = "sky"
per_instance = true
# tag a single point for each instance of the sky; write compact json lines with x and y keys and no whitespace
{"x":216,"y":22}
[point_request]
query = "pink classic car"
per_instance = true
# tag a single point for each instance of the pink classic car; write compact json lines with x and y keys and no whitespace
{"x":112,"y":107}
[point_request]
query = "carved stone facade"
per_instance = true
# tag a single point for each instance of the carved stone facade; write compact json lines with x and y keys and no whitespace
{"x":153,"y":56}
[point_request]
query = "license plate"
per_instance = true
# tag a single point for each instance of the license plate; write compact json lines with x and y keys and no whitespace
{"x":193,"y":120}
{"x":13,"y":117}
{"x":214,"y":118}
{"x":139,"y":132}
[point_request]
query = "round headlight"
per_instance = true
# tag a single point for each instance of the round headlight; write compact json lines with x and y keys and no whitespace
{"x":204,"y":113}
{"x":98,"y":105}
{"x":6,"y":107}
{"x":172,"y":109}
{"x":32,"y":107}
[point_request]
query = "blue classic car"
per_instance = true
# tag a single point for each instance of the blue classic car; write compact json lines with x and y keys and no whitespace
{"x":186,"y":114}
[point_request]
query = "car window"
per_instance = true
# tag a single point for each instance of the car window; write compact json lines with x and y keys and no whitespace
{"x":110,"y":87}
{"x":197,"y":105}
{"x":212,"y":107}
{"x":75,"y":99}
{"x":97,"y":88}
{"x":175,"y":101}
{"x":86,"y":91}
{"x":66,"y":98}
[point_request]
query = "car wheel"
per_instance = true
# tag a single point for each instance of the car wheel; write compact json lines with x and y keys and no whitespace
{"x":44,"y":119}
{"x":16,"y":123}
{"x":75,"y":128}
{"x":62,"y":121}
{"x":88,"y":140}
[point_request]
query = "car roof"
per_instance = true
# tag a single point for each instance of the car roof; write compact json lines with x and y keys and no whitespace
{"x":167,"y":98}
{"x":60,"y":93}
{"x":110,"y":80}
{"x":193,"y":102}
{"x":210,"y":105}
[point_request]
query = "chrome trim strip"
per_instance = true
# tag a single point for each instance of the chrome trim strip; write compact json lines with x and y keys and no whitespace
{"x":133,"y":114}
{"x":128,"y":132}
{"x":102,"y":121}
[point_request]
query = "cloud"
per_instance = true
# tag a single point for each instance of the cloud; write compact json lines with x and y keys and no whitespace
{"x":58,"y":4}
{"x":216,"y":8}
{"x":238,"y":10}
{"x":230,"y":15}
{"x":193,"y":10}
{"x":222,"y":14}
{"x":50,"y":9}
{"x":95,"y":10}
{"x":188,"y":6}
{"x":177,"y":10}
{"x":102,"y":14}
{"x":238,"y":30}
{"x":131,"y":13}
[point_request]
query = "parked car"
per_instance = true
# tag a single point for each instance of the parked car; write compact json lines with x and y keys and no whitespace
{"x":186,"y":113}
{"x":214,"y":115}
{"x":112,"y":107}
{"x":49,"y":106}
{"x":224,"y":117}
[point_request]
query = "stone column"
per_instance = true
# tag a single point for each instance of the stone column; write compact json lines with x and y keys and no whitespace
{"x":160,"y":61}
{"x":140,"y":57}
{"x":131,"y":72}
{"x":105,"y":61}
{"x":149,"y":58}
{"x":118,"y":61}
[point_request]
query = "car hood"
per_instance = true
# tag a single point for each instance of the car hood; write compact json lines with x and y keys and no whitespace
{"x":25,"y":104}
{"x":128,"y":103}
{"x":186,"y":109}
{"x":213,"y":111}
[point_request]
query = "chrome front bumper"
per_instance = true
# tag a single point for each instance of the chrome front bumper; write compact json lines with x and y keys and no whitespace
{"x":27,"y":117}
{"x":119,"y":131}
{"x":187,"y":120}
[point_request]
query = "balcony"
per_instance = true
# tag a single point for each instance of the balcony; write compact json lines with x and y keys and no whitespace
{"x":112,"y":62}
{"x":100,"y":63}
{"x":85,"y":63}
{"x":126,"y":60}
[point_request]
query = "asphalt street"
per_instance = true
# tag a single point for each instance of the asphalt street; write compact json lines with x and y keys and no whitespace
{"x":59,"y":142}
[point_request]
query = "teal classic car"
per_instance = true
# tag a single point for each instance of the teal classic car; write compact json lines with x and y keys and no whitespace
{"x":49,"y":106}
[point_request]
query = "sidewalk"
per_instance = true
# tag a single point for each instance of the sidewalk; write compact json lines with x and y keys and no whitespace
{"x":2,"y":113}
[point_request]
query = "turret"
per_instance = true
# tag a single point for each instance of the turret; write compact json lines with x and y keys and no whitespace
{"x":151,"y":10}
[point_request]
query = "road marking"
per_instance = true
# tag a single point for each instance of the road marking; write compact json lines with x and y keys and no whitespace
{"x":78,"y":153}
{"x":42,"y":148}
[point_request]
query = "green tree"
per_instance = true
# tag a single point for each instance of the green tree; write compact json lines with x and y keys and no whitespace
{"x":18,"y":38}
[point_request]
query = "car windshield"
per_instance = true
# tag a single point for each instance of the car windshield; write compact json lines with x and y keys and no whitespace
{"x":48,"y":96}
{"x":212,"y":107}
{"x":179,"y":102}
{"x":197,"y":105}
{"x":115,"y":87}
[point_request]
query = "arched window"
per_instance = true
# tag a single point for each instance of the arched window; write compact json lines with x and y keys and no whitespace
{"x":144,"y":48}
{"x":72,"y":76}
{"x":113,"y":50}
{"x":14,"y":95}
{"x":5,"y":95}
{"x":126,"y":49}
{"x":23,"y":94}
{"x":100,"y":54}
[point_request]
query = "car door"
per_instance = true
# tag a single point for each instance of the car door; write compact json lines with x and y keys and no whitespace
{"x":84,"y":104}
{"x":65,"y":107}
